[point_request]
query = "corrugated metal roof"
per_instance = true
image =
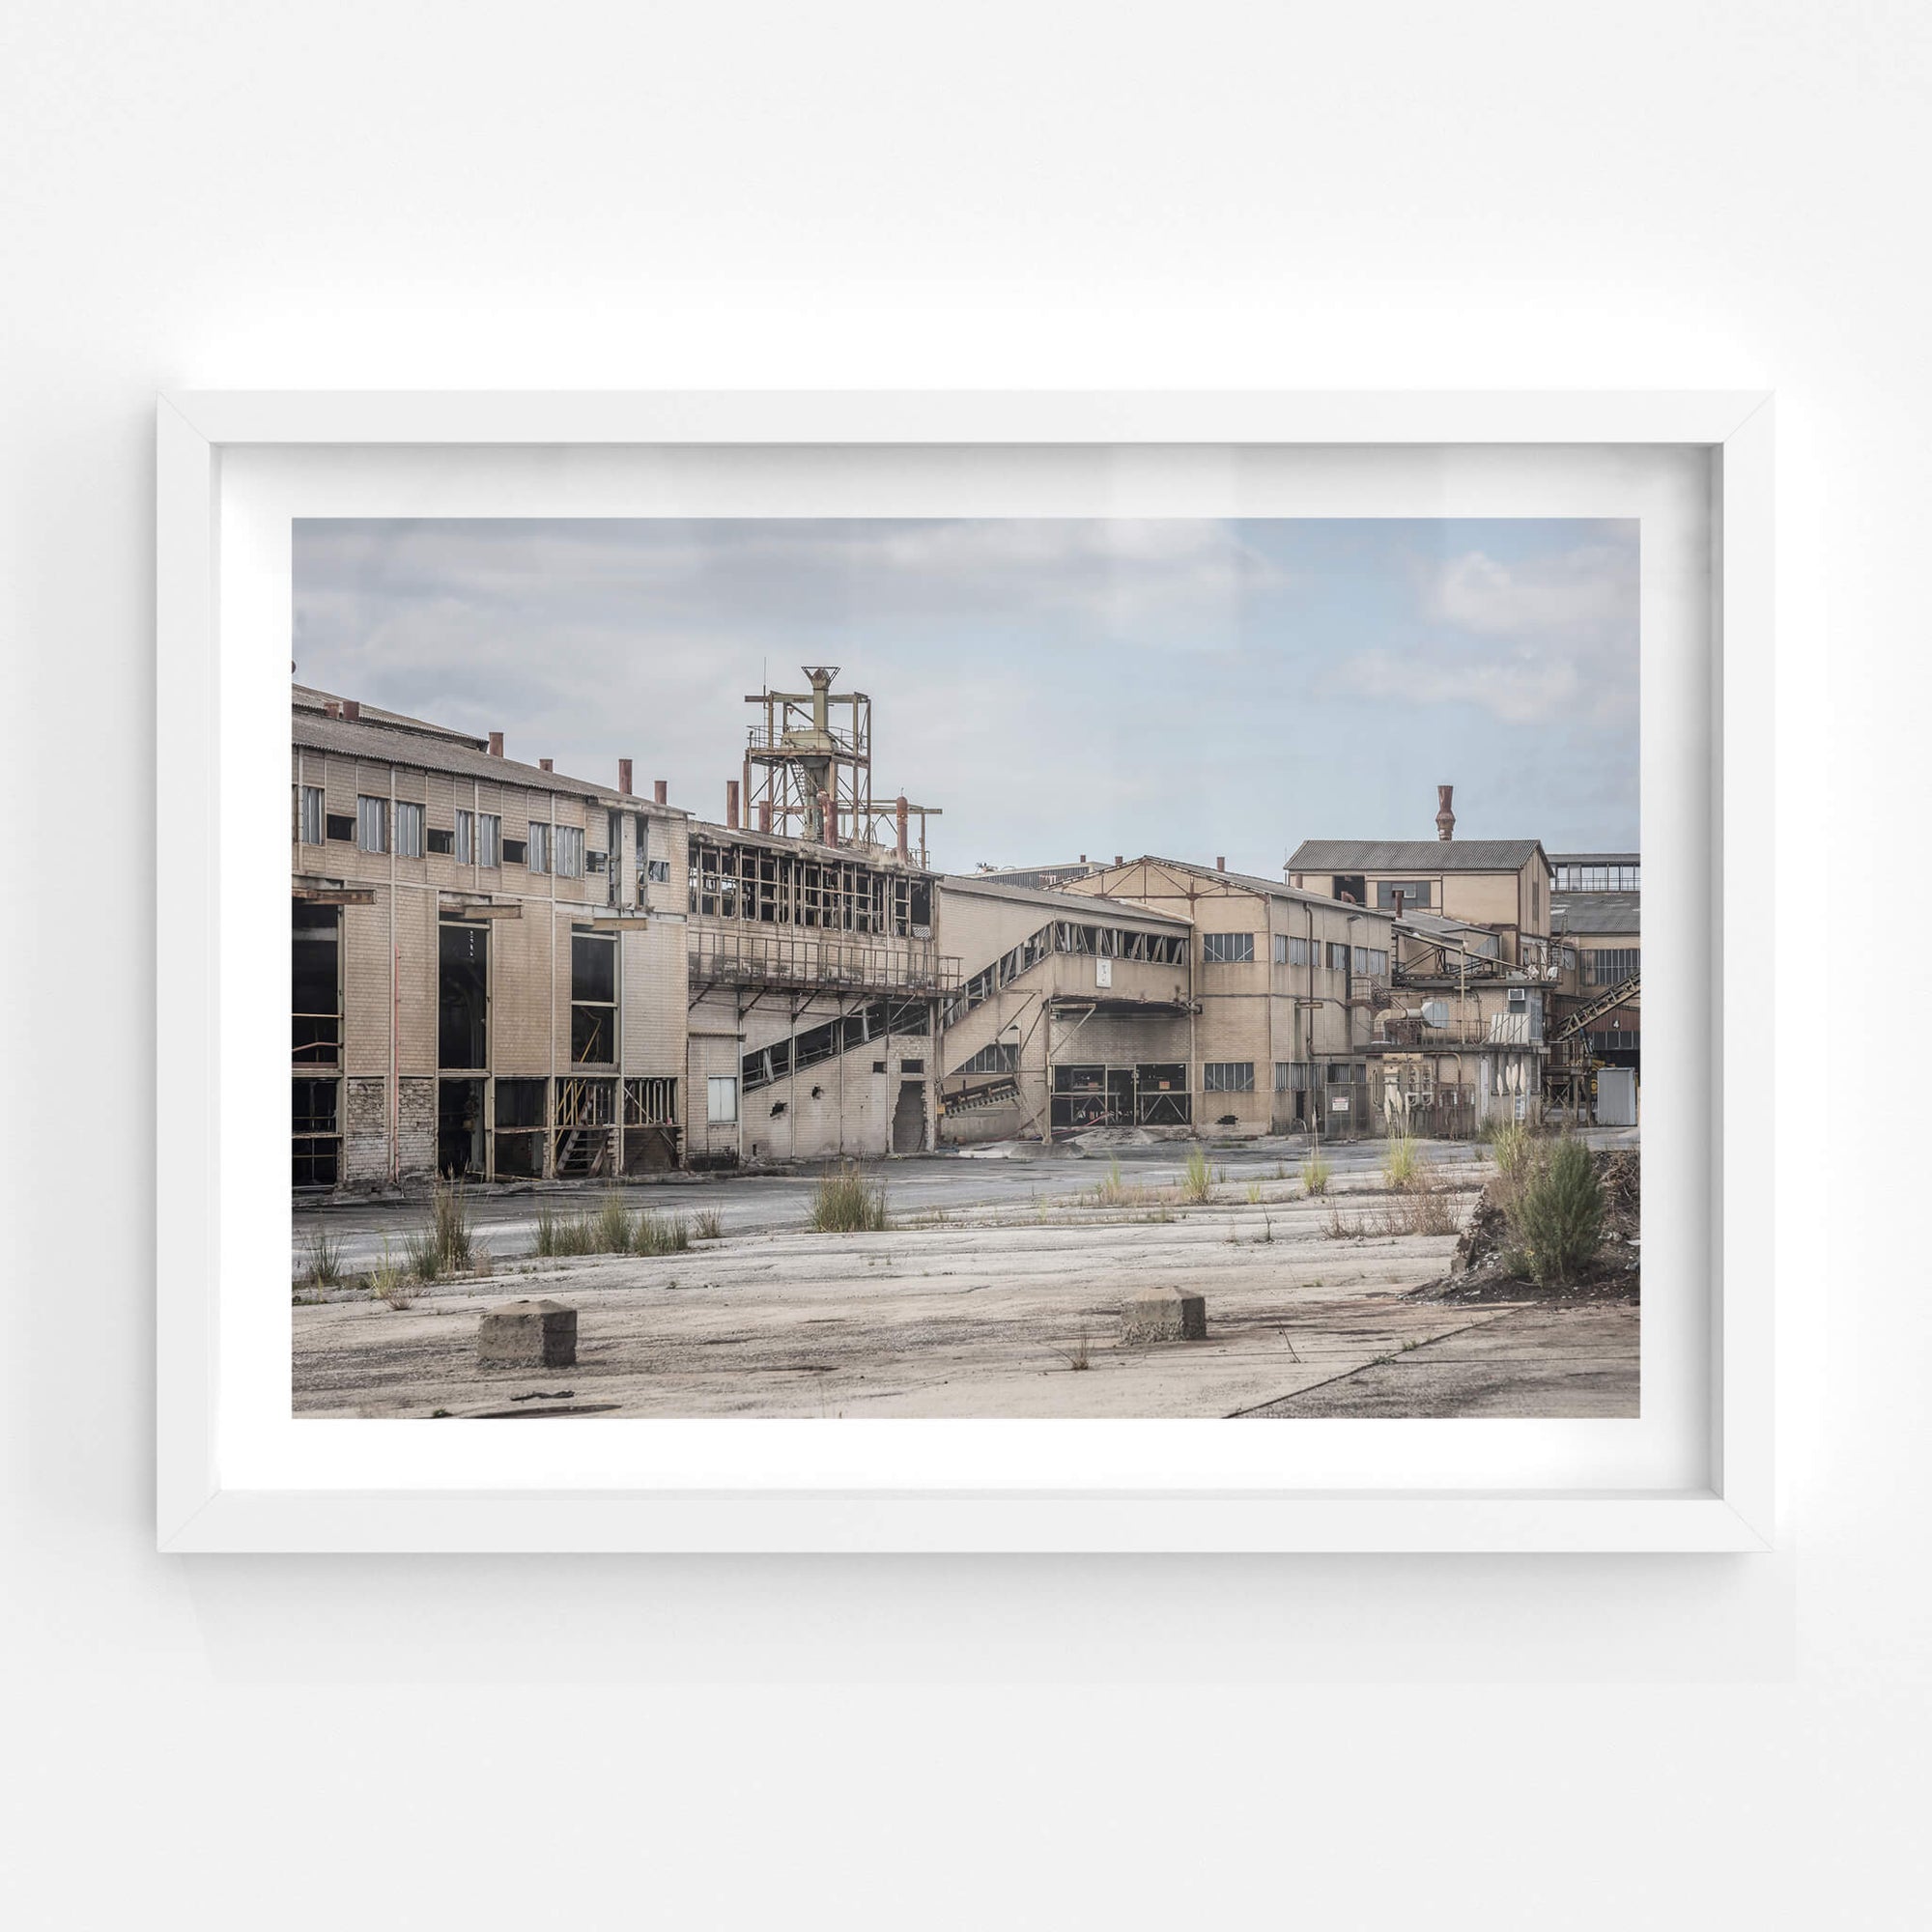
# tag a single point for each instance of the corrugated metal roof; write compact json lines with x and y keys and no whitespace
{"x":1577,"y":913}
{"x":424,"y":751}
{"x":1595,"y":858}
{"x":1251,"y":882}
{"x":1064,"y":905}
{"x":1414,"y":855}
{"x":305,"y":697}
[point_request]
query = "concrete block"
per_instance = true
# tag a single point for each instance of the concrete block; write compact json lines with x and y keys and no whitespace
{"x":1164,"y":1315}
{"x":528,"y":1335}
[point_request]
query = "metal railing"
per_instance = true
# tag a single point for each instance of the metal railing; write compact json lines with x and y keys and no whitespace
{"x":759,"y":959}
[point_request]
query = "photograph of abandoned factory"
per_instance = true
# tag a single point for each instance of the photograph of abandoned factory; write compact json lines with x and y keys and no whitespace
{"x":818,"y":978}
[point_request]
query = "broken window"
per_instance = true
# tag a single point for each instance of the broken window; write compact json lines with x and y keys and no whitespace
{"x":586,"y":1119}
{"x":461,"y":1147}
{"x":317,"y":1134}
{"x":311,"y":814}
{"x":1226,"y":949}
{"x":569,"y":852}
{"x":650,"y":1125}
{"x":315,"y":994}
{"x":1349,"y":886}
{"x":593,"y":997}
{"x":1001,"y":1056}
{"x":462,"y":996}
{"x":341,"y":827}
{"x":1228,"y":1076}
{"x":439,"y":843}
{"x":1415,"y":894}
{"x":1161,"y":1099}
{"x":515,"y":852}
{"x":372,"y":824}
{"x":521,"y":1109}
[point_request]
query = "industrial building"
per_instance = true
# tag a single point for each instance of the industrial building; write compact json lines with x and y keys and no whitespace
{"x":505,"y":973}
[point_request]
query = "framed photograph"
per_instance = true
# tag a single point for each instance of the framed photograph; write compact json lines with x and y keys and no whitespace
{"x":964,"y":972}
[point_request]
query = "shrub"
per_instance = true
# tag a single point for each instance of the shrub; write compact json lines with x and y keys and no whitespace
{"x":846,"y":1203}
{"x":1196,"y":1181}
{"x":1110,"y":1191}
{"x":1556,"y":1218}
{"x":707,"y":1226}
{"x":1315,"y":1173}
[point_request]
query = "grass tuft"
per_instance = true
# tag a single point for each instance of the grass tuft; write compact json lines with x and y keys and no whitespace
{"x":1403,"y":1160}
{"x":390,"y":1282}
{"x":1315,"y":1172}
{"x":661,"y":1235}
{"x":325,"y":1258}
{"x":707,"y":1226}
{"x":846,"y":1201}
{"x":1197,"y":1182}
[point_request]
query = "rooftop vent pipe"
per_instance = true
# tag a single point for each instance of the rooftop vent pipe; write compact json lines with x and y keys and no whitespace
{"x":545,"y":765}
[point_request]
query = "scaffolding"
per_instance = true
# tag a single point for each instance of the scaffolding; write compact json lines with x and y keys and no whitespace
{"x":807,"y":772}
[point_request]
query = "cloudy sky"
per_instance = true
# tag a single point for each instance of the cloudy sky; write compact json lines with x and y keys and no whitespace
{"x":1190,"y":688}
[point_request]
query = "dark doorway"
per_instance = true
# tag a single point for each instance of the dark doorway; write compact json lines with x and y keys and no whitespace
{"x":462,"y":996}
{"x":316,"y":988}
{"x":1352,"y":887}
{"x":909,"y":1117}
{"x":459,"y":1128}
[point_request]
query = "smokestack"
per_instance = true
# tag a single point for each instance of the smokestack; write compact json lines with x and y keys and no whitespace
{"x":496,"y":744}
{"x":764,"y":814}
{"x":731,"y":804}
{"x":1445,"y":819}
{"x":828,"y":818}
{"x":545,"y":765}
{"x":661,"y":790}
{"x":624,"y":777}
{"x":352,"y":707}
{"x":904,"y":812}
{"x":1398,"y":902}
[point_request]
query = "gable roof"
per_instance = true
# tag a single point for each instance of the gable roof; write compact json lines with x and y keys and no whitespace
{"x":306,"y":697}
{"x":1415,"y":855}
{"x":431,"y":752}
{"x":1251,"y":882}
{"x":1065,"y":905}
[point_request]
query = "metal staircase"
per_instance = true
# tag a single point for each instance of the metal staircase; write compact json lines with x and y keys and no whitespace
{"x":1623,"y":994}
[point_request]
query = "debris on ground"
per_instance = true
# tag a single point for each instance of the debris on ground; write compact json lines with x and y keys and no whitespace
{"x":1482,"y":1268}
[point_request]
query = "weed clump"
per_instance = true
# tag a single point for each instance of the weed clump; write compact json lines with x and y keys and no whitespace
{"x":707,"y":1226}
{"x":846,"y":1201}
{"x":1197,"y":1182}
{"x":1315,"y":1172}
{"x":325,"y":1258}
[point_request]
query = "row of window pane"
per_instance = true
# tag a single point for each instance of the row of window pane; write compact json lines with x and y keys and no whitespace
{"x":1228,"y":1076}
{"x":1599,"y":878}
{"x":477,"y":838}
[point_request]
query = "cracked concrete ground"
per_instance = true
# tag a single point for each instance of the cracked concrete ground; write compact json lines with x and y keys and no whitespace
{"x":986,"y":1311}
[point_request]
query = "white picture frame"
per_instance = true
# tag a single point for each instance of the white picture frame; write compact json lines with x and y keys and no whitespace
{"x":198,"y":1510}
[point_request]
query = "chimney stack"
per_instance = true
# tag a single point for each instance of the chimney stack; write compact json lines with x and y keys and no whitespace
{"x":1119,"y":861}
{"x":1445,"y":819}
{"x":624,"y":777}
{"x":1220,"y":864}
{"x":828,"y":818}
{"x":731,"y":804}
{"x":331,"y":707}
{"x":496,"y":744}
{"x":545,"y":765}
{"x":352,"y":708}
{"x":764,"y":814}
{"x":904,"y":813}
{"x":1398,"y":902}
{"x":1083,"y":857}
{"x":661,"y":790}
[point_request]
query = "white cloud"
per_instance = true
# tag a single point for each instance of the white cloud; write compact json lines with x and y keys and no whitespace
{"x":1529,"y":642}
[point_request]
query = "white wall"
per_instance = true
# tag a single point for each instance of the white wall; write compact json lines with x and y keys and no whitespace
{"x":1409,"y":194}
